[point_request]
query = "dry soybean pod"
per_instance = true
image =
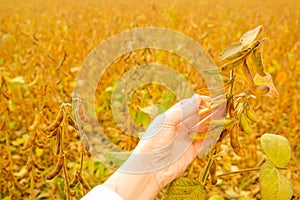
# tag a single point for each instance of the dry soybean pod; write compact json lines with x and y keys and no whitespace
{"x":71,"y":122}
{"x":234,"y":140}
{"x":74,"y":181}
{"x":82,"y":181}
{"x":30,"y":141}
{"x":212,"y":172}
{"x":29,"y":166}
{"x":260,"y":89}
{"x":37,"y":166}
{"x":34,"y":81}
{"x":36,"y":178}
{"x":245,"y":124}
{"x":247,"y":74}
{"x":35,"y":121}
{"x":53,"y":133}
{"x":82,"y":115}
{"x":223,"y":134}
{"x":230,"y":66}
{"x":250,"y":114}
{"x":257,"y":61}
{"x":58,"y":141}
{"x":56,"y":170}
{"x":56,"y":122}
{"x":39,"y":145}
{"x":256,"y":89}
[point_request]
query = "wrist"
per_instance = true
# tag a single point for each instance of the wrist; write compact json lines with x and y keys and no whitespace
{"x":133,"y":186}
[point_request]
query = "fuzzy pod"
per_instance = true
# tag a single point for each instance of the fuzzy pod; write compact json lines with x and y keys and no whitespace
{"x":257,"y":61}
{"x":30,"y":141}
{"x":245,"y":124}
{"x":56,"y":122}
{"x":82,"y":181}
{"x":56,"y":169}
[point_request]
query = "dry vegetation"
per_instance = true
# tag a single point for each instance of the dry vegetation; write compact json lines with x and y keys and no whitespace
{"x":42,"y":45}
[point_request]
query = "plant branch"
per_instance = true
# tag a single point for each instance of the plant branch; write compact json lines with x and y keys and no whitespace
{"x":247,"y":170}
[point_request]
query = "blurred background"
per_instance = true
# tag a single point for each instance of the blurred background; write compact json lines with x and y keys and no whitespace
{"x":43,"y":44}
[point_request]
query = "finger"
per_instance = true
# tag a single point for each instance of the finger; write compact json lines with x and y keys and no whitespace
{"x":186,"y":110}
{"x":203,"y":123}
{"x":202,"y":147}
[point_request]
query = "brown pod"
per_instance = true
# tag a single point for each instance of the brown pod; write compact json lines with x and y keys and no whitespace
{"x":223,"y":134}
{"x":56,"y":170}
{"x":74,"y":181}
{"x":71,"y":122}
{"x":39,"y":145}
{"x":247,"y":74}
{"x":37,"y":166}
{"x":30,"y":141}
{"x":214,"y":179}
{"x":53,"y":133}
{"x":231,"y":110}
{"x":86,"y":147}
{"x":35,"y":122}
{"x":58,"y":142}
{"x":56,"y":122}
{"x":82,"y":181}
{"x":241,"y":153}
{"x":29,"y":166}
{"x":82,"y":115}
{"x":212,"y":172}
{"x":37,"y":178}
{"x":257,"y":61}
{"x":235,"y":143}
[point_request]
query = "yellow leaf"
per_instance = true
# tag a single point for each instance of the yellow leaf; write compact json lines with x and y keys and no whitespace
{"x":274,"y":186}
{"x":250,"y":36}
{"x":268,"y":81}
{"x":232,"y":51}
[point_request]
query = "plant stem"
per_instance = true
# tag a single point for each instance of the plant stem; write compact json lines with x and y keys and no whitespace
{"x":246,"y":170}
{"x":204,"y":174}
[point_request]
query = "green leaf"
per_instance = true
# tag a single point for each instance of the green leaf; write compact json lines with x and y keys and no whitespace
{"x":276,"y":148}
{"x":153,"y":110}
{"x":142,"y":119}
{"x":115,"y":159}
{"x":274,"y":186}
{"x":250,"y":36}
{"x":184,"y":188}
{"x":11,"y":124}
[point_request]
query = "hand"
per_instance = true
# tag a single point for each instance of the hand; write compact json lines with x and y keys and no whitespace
{"x":163,"y":153}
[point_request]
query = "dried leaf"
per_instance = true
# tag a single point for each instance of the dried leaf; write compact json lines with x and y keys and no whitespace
{"x":268,"y":81}
{"x":250,"y":36}
{"x":232,"y":51}
{"x":229,"y":66}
